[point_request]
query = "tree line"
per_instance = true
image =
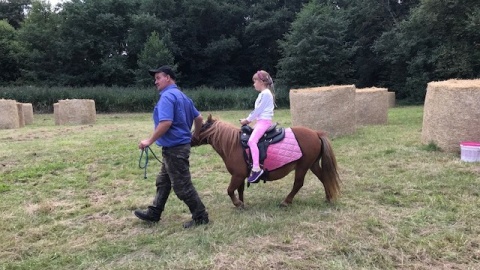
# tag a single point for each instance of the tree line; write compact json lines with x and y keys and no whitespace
{"x":397,"y":44}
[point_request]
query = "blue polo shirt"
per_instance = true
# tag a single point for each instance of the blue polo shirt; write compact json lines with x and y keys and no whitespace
{"x":173,"y":105}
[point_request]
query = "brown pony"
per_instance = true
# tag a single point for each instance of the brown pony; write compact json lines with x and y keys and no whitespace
{"x":225,"y":139}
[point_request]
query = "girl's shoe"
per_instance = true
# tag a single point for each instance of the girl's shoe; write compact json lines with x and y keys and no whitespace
{"x":255,"y":176}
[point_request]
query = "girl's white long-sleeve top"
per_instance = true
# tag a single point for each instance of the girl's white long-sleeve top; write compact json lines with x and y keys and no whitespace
{"x":264,"y":106}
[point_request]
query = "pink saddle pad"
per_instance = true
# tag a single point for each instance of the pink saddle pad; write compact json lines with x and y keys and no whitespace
{"x":283,"y":152}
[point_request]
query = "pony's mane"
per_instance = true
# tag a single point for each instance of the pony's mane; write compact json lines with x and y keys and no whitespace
{"x":223,"y":136}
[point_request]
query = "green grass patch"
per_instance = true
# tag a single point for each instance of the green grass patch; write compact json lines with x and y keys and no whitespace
{"x":68,"y":193}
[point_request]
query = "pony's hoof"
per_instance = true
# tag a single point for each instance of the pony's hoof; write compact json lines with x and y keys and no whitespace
{"x":240,"y":206}
{"x":283,"y":205}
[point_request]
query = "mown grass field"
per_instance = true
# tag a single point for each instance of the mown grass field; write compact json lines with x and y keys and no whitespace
{"x":68,"y":192}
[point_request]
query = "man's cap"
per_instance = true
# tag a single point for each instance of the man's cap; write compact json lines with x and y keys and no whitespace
{"x":165,"y":69}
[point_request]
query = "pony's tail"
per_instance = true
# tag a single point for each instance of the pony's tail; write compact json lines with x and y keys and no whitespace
{"x":329,"y":174}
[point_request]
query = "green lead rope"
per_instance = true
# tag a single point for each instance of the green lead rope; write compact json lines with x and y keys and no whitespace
{"x":146,"y":150}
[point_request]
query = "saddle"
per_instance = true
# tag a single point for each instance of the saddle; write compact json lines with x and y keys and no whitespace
{"x":273,"y":135}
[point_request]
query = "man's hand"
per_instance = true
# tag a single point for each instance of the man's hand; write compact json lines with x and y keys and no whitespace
{"x":144,"y":143}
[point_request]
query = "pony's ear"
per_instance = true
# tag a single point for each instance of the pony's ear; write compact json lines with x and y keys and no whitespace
{"x":209,"y":119}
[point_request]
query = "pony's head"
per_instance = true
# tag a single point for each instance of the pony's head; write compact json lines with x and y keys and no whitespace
{"x":223,"y":136}
{"x":205,"y":132}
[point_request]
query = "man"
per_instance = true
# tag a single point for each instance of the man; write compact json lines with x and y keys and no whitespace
{"x":173,"y":116}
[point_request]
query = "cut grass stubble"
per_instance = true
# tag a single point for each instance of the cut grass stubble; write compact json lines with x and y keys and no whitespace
{"x":68,"y":193}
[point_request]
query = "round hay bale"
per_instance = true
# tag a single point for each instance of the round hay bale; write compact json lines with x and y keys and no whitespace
{"x":21,"y":119}
{"x":9,"y":116}
{"x":75,"y":112}
{"x":371,"y":106}
{"x":28,"y":113}
{"x":391,"y":99}
{"x":451,"y":113}
{"x":328,"y":108}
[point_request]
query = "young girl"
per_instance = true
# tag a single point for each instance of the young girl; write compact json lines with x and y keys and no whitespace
{"x":263,"y":114}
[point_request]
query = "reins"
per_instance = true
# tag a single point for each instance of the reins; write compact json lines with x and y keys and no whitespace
{"x":145,"y":150}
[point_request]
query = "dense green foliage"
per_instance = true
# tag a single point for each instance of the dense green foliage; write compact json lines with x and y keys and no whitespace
{"x":400,"y":45}
{"x":441,"y":40}
{"x":317,"y":40}
{"x":137,"y":99}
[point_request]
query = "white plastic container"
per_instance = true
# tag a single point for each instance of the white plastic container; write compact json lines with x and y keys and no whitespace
{"x":470,"y":151}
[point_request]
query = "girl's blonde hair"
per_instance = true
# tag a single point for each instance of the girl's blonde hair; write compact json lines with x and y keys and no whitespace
{"x":263,"y":76}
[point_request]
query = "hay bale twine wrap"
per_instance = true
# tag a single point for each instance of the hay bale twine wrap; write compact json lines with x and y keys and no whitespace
{"x":391,"y":99}
{"x":371,"y":106}
{"x":451,"y":113}
{"x":328,"y":108}
{"x":9,"y":114}
{"x":21,"y":118}
{"x":75,"y":112}
{"x":28,"y":113}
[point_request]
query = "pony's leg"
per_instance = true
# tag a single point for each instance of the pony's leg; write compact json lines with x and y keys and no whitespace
{"x":236,"y":183}
{"x":297,"y":185}
{"x":317,"y":170}
{"x":240,"y":189}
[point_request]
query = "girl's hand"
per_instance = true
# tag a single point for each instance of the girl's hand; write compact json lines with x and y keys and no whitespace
{"x":244,"y":122}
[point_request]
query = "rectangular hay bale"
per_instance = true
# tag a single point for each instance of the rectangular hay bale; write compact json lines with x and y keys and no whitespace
{"x":21,"y":119}
{"x":451,"y":113}
{"x":371,"y":106}
{"x":9,"y":117}
{"x":328,"y":108}
{"x":75,"y":112}
{"x":28,"y":113}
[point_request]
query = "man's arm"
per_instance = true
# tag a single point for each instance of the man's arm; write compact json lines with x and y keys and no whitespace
{"x":161,"y":129}
{"x":197,"y":123}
